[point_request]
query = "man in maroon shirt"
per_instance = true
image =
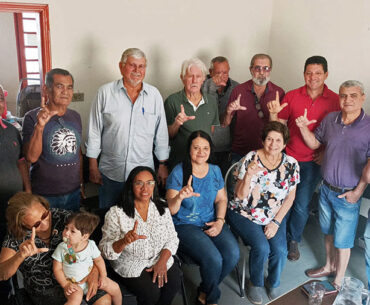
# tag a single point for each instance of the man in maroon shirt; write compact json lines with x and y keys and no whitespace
{"x":247,"y":108}
{"x":318,"y":100}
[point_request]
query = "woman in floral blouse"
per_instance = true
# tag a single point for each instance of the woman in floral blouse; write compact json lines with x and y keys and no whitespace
{"x":264,"y":193}
{"x":139,"y":239}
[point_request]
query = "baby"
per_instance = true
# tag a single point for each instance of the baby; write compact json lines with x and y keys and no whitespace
{"x":75,"y":257}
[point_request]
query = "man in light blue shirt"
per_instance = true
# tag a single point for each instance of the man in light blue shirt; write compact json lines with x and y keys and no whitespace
{"x":127,"y":118}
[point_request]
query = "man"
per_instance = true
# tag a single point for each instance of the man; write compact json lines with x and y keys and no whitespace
{"x":247,"y":107}
{"x":346,"y":137}
{"x":13,"y":175}
{"x":319,"y":101}
{"x":220,"y":85}
{"x":189,"y":109}
{"x":127,"y":117}
{"x":52,"y":143}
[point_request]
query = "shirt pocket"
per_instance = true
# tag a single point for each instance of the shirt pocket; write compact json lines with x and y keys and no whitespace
{"x":148,"y":123}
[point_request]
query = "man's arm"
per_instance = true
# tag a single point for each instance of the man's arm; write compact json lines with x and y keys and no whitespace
{"x":308,"y":136}
{"x":180,"y":119}
{"x":24,"y":171}
{"x":274,"y":108}
{"x":354,"y":195}
{"x":230,"y":110}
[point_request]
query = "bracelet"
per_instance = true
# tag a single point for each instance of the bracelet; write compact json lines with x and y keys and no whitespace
{"x":220,"y":218}
{"x":163,"y":163}
{"x":276,"y":222}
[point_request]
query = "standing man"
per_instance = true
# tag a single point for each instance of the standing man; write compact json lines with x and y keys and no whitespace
{"x":346,"y":137}
{"x":220,"y":85}
{"x":127,"y":117}
{"x":319,"y":101}
{"x":52,"y":143}
{"x":247,"y":108}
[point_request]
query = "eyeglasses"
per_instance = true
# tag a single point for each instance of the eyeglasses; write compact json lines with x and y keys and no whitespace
{"x":260,"y":69}
{"x":43,"y":217}
{"x":149,"y":183}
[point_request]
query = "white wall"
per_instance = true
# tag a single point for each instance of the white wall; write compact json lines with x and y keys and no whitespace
{"x":88,"y":37}
{"x":9,"y":76}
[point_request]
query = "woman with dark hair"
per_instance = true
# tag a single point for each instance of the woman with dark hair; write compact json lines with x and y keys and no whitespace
{"x":197,"y":200}
{"x":264,"y":193}
{"x":139,"y":239}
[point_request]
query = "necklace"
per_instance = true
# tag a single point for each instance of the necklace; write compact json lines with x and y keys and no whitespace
{"x":272,"y":165}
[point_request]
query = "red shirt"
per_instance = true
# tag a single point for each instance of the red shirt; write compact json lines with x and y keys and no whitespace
{"x":298,"y":100}
{"x":247,"y":125}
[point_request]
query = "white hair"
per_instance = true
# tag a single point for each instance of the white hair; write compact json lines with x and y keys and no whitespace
{"x":188,"y":63}
{"x":134,"y":52}
{"x":353,"y":83}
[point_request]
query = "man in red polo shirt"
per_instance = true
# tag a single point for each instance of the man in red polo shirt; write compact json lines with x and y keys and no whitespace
{"x":319,"y":101}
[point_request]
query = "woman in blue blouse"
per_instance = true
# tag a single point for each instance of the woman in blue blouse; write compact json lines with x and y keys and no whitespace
{"x":197,"y":200}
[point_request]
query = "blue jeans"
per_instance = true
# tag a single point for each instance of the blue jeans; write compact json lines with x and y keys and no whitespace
{"x":338,"y":217}
{"x":110,"y":192}
{"x":70,"y":201}
{"x":298,"y":214}
{"x":216,"y":256}
{"x":274,"y":249}
{"x":367,"y":251}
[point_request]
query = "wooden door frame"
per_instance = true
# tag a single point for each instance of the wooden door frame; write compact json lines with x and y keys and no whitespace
{"x":43,"y":10}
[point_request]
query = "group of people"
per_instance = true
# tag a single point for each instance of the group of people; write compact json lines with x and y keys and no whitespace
{"x":283,"y":144}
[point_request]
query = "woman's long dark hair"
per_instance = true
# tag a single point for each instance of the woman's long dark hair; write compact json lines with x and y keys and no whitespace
{"x":187,"y":168}
{"x":127,"y":203}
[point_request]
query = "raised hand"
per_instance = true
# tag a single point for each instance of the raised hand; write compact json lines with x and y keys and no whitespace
{"x":187,"y":190}
{"x":44,"y":115}
{"x":274,"y":106}
{"x":253,"y":167}
{"x":132,"y":236}
{"x":219,"y":80}
{"x":181,"y":118}
{"x":28,"y":247}
{"x":235,"y":105}
{"x":303,"y":121}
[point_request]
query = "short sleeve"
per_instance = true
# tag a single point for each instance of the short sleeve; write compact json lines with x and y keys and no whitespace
{"x":174,"y":180}
{"x":58,"y":253}
{"x":28,"y":127}
{"x":170,"y":111}
{"x":219,"y":179}
{"x":95,"y":252}
{"x":319,"y":132}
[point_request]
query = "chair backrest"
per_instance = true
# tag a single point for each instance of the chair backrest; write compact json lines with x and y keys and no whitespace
{"x":230,"y":180}
{"x":28,"y":98}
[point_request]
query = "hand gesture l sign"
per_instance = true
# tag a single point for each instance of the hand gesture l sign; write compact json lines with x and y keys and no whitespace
{"x":274,"y":106}
{"x":132,"y":236}
{"x":235,"y":105}
{"x":303,"y":121}
{"x":28,"y":247}
{"x":181,"y":118}
{"x":187,"y":190}
{"x":253,"y":167}
{"x":44,"y":115}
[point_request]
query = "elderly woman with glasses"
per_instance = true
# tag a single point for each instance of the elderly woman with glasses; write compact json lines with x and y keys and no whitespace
{"x":35,"y":231}
{"x":139,"y":239}
{"x":189,"y":109}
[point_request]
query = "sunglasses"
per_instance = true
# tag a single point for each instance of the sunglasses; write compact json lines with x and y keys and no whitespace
{"x":260,"y":69}
{"x":43,"y":217}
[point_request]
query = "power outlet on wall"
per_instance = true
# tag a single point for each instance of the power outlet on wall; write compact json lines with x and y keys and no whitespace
{"x":78,"y":97}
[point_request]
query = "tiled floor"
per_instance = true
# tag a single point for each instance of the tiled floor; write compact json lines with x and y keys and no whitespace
{"x":312,"y":255}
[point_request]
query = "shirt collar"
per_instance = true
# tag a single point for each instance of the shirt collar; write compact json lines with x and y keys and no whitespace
{"x":325,"y":91}
{"x":144,"y":89}
{"x":338,"y":118}
{"x":250,"y":86}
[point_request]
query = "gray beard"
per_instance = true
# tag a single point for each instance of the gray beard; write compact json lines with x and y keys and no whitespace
{"x":261,"y":82}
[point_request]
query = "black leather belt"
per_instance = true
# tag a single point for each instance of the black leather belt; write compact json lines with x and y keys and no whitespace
{"x":337,"y":189}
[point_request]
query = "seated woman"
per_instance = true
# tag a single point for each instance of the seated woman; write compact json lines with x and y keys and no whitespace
{"x":197,"y":201}
{"x":139,"y":239}
{"x":264,"y":194}
{"x":34,"y":233}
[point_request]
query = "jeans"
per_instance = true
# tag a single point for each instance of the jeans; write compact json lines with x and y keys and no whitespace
{"x":298,"y":214}
{"x":338,"y":217}
{"x":367,"y":251}
{"x":70,"y":201}
{"x":109,"y":192}
{"x":274,"y":249}
{"x":216,"y":256}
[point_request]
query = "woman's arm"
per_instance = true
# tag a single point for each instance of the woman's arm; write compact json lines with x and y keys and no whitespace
{"x":220,"y":205}
{"x":273,"y":227}
{"x":10,"y":261}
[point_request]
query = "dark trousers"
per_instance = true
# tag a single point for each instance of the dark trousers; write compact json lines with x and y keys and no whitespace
{"x":148,"y":293}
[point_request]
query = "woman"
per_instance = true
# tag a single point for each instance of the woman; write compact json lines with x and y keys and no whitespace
{"x":139,"y":238}
{"x":264,"y":193}
{"x":189,"y":109}
{"x":35,"y":231}
{"x":197,"y":201}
